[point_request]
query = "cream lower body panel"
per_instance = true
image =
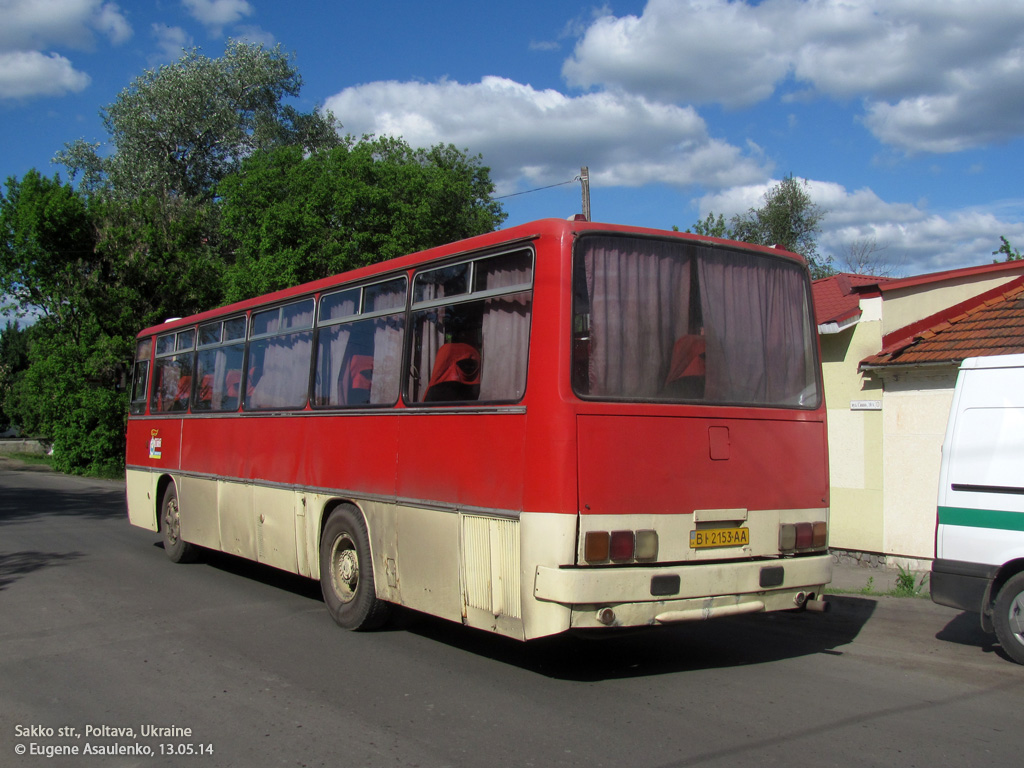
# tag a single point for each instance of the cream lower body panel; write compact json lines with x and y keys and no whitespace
{"x":142,"y":502}
{"x":497,"y":571}
{"x":622,"y":596}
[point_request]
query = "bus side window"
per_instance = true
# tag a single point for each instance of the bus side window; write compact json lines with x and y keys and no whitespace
{"x":140,"y":376}
{"x":469,"y":348}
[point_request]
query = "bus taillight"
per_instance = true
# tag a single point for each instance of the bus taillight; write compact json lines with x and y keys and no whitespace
{"x":801,"y":536}
{"x":620,"y":546}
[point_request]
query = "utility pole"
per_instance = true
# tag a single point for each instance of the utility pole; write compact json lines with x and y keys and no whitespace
{"x":585,"y":183}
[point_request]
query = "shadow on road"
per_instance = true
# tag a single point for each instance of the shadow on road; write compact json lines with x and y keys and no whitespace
{"x":264,"y":574}
{"x":728,"y":642}
{"x":24,"y":497}
{"x":604,"y":655}
{"x":965,"y":629}
{"x":14,"y":565}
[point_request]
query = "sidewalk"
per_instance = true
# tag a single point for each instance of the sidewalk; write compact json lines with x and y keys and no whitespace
{"x":850,"y":577}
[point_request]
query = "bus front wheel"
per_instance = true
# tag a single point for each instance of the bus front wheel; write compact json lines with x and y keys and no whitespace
{"x":177,"y":549}
{"x":346,"y":572}
{"x":1008,"y":618}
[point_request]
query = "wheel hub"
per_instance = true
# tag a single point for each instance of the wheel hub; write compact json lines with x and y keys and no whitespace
{"x":171,"y":521}
{"x":345,"y":569}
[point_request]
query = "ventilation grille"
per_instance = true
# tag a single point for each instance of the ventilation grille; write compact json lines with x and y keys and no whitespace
{"x":490,"y":550}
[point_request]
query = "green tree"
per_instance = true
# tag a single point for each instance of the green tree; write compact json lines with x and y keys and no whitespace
{"x":138,"y":241}
{"x":67,"y":386}
{"x":47,"y":250}
{"x":13,"y":360}
{"x":788,"y":218}
{"x":712,"y":227}
{"x":1007,"y":250}
{"x":179,"y":129}
{"x":291,"y":217}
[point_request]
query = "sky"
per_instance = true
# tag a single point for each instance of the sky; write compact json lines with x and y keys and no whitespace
{"x":904,"y":117}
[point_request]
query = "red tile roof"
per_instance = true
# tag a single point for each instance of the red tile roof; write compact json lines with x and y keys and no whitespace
{"x":836,"y":298}
{"x":989,"y":324}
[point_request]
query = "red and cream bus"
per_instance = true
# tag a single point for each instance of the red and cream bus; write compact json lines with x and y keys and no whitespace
{"x":562,"y":425}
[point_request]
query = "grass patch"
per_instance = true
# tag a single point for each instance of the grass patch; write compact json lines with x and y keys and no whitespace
{"x":39,"y":459}
{"x":907,"y":585}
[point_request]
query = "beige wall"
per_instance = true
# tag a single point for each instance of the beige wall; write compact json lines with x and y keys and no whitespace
{"x":908,"y":305}
{"x":915,"y":411}
{"x":854,"y":436}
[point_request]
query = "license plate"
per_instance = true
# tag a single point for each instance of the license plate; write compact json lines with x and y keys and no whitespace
{"x":719,"y":537}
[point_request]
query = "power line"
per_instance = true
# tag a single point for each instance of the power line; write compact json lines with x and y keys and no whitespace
{"x":538,"y":189}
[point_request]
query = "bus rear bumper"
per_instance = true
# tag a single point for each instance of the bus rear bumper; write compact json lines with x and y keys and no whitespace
{"x":602,"y":597}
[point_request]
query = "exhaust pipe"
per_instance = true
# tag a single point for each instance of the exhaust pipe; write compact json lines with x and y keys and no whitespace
{"x":818,"y":606}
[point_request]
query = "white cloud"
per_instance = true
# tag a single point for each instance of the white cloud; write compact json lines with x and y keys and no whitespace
{"x":249,"y":33}
{"x":115,"y":26}
{"x":938,"y":76}
{"x":533,"y":137}
{"x":31,"y":26}
{"x":37,"y":24}
{"x":918,"y":240}
{"x":30,"y":73}
{"x":682,"y":50}
{"x":217,"y":14}
{"x":171,"y":41}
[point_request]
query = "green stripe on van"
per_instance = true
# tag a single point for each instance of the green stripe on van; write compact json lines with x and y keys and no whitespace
{"x":982,"y":518}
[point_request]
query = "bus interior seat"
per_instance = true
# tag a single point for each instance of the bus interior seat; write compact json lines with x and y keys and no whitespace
{"x":180,"y":402}
{"x":355,"y":381}
{"x":205,"y":394}
{"x":687,"y":370}
{"x":456,"y":374}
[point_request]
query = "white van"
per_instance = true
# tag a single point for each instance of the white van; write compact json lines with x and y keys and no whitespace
{"x":979,"y":540}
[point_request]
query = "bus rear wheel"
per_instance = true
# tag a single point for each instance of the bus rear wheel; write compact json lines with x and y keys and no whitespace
{"x":1008,"y":618}
{"x":346,"y":572}
{"x":177,"y":549}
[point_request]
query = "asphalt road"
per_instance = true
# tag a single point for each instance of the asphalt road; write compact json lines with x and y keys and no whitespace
{"x":102,"y":640}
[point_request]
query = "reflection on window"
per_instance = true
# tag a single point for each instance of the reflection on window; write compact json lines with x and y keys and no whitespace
{"x":359,"y":346}
{"x":140,"y":376}
{"x":681,"y":321}
{"x":279,"y":357}
{"x":475,"y":349}
{"x":172,"y":373}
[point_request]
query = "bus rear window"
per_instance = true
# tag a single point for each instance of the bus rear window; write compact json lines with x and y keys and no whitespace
{"x":670,"y":320}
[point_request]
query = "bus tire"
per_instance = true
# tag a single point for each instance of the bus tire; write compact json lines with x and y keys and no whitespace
{"x":177,"y":549}
{"x":346,"y":572}
{"x":1008,"y":618}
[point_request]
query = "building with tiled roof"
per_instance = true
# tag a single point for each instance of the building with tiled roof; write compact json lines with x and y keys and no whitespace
{"x":989,"y":324}
{"x":891,"y":349}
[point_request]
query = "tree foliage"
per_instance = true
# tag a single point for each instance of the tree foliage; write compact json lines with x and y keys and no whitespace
{"x":290,"y":217}
{"x":789,"y":218}
{"x":867,"y":257}
{"x":14,"y":342}
{"x":1008,"y":251}
{"x":47,"y":250}
{"x":181,"y":128}
{"x":712,"y":227}
{"x":216,"y":188}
